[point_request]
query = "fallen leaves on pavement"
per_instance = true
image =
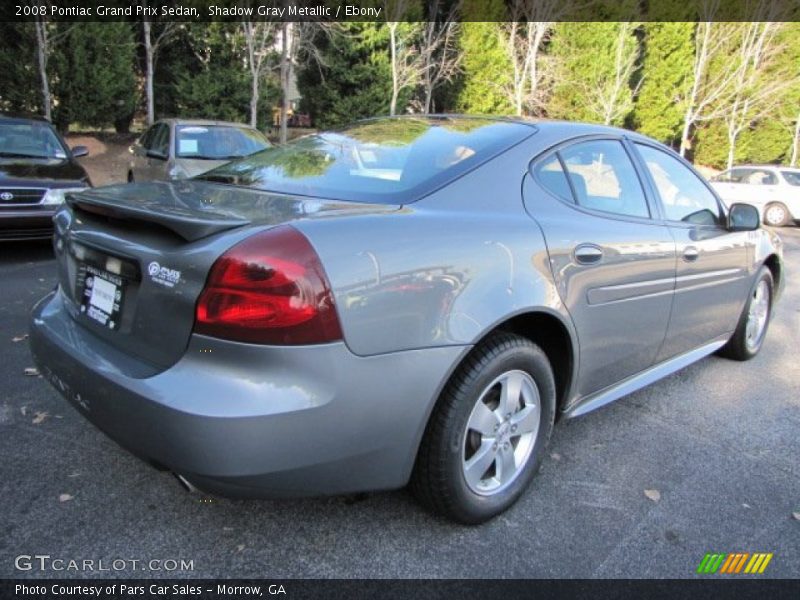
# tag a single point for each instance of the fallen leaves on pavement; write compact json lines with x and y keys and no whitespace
{"x":38,"y":417}
{"x":19,"y":338}
{"x":31,"y":371}
{"x":65,"y":498}
{"x":654,"y":495}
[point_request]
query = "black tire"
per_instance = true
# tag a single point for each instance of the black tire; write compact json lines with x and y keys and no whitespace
{"x":438,"y":480}
{"x":774,"y":208}
{"x":738,"y":347}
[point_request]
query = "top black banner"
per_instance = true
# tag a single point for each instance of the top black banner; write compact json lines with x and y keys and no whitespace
{"x":400,"y":10}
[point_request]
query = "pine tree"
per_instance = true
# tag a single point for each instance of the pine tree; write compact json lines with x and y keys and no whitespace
{"x":666,"y":77}
{"x":595,"y":66}
{"x":486,"y":75}
{"x":353,"y":80}
{"x":96,"y":83}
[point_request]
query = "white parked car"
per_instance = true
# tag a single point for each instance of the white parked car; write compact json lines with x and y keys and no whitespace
{"x":773,"y":190}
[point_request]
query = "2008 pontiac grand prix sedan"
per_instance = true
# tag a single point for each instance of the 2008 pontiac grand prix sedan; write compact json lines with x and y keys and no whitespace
{"x":403,"y":300}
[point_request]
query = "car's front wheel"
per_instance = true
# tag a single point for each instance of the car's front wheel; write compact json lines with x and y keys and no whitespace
{"x":776,"y":215}
{"x":754,"y":321}
{"x":486,"y":437}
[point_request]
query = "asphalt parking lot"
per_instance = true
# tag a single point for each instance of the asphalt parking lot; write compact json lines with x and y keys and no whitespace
{"x":716,"y":446}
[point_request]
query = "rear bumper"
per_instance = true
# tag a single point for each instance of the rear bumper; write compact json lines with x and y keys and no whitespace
{"x":31,"y":223}
{"x":247,"y":420}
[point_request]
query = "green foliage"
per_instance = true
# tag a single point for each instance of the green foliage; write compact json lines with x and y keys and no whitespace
{"x":585,"y":55}
{"x":207,"y":77}
{"x":667,"y":72}
{"x":768,"y":142}
{"x":711,"y":146}
{"x":95,"y":82}
{"x":486,"y":76}
{"x":354,"y":79}
{"x":20,"y":91}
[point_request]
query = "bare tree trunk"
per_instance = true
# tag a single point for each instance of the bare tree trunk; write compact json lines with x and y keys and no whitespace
{"x":285,"y":73}
{"x":731,"y":151}
{"x":148,"y":77}
{"x":41,"y":53}
{"x":393,"y":48}
{"x":254,"y":100}
{"x":795,"y":141}
{"x":687,"y":125}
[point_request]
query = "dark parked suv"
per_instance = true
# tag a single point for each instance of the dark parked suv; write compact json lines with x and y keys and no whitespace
{"x":36,"y":170}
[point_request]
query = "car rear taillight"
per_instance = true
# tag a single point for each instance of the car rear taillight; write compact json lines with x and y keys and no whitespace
{"x":269,"y":289}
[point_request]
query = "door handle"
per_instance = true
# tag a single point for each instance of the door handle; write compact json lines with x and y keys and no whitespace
{"x":588,"y":254}
{"x":690,"y":254}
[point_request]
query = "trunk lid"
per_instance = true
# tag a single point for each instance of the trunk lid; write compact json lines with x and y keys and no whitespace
{"x":133,"y":259}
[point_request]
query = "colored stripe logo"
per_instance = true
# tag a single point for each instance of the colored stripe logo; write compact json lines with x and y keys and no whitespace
{"x":734,"y":563}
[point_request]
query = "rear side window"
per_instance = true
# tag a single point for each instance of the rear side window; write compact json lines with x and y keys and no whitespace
{"x":684,"y":196}
{"x":603,"y":178}
{"x":551,"y":176}
{"x":393,"y":160}
{"x":791,"y":177}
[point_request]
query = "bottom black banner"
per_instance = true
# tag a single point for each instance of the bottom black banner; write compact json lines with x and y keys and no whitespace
{"x":228,"y":589}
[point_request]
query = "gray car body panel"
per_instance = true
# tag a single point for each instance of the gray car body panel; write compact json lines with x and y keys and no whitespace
{"x":416,"y":286}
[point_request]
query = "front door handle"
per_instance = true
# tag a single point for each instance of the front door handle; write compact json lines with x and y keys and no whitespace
{"x":690,"y":254}
{"x":588,"y":254}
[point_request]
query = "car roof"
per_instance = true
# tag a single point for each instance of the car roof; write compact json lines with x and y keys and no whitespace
{"x":200,"y":122}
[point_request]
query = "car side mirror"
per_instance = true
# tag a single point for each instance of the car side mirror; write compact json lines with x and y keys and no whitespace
{"x":79,"y":151}
{"x":743,"y":217}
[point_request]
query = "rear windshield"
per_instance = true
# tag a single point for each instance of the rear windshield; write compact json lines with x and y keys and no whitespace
{"x":217,"y":142}
{"x":390,"y":161}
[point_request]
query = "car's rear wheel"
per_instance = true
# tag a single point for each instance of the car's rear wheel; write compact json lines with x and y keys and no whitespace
{"x":776,"y":214}
{"x":486,"y":437}
{"x":754,"y":321}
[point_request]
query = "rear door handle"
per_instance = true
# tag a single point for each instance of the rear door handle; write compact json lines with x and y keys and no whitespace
{"x":690,"y":254}
{"x":588,"y":254}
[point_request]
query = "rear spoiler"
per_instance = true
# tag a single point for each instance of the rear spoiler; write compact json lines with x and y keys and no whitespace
{"x":190,"y":224}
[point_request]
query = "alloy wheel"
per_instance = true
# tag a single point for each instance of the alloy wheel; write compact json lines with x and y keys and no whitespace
{"x":501,"y":432}
{"x":757,"y":315}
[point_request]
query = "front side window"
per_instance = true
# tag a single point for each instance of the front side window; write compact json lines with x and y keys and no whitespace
{"x":603,"y":178}
{"x":760,"y":177}
{"x":683,"y":194}
{"x":160,"y":141}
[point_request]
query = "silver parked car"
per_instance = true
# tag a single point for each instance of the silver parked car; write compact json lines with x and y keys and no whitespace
{"x":180,"y":148}
{"x":773,"y":190}
{"x":408,"y":299}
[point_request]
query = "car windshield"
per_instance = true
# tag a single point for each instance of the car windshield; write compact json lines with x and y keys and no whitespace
{"x":791,"y":177}
{"x":217,"y":142}
{"x":384,"y":160}
{"x":30,"y":140}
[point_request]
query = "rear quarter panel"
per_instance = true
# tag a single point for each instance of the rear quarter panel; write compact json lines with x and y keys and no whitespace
{"x":441,"y":271}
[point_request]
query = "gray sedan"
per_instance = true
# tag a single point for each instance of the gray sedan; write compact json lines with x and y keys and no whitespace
{"x":182,"y":148}
{"x":412,"y":299}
